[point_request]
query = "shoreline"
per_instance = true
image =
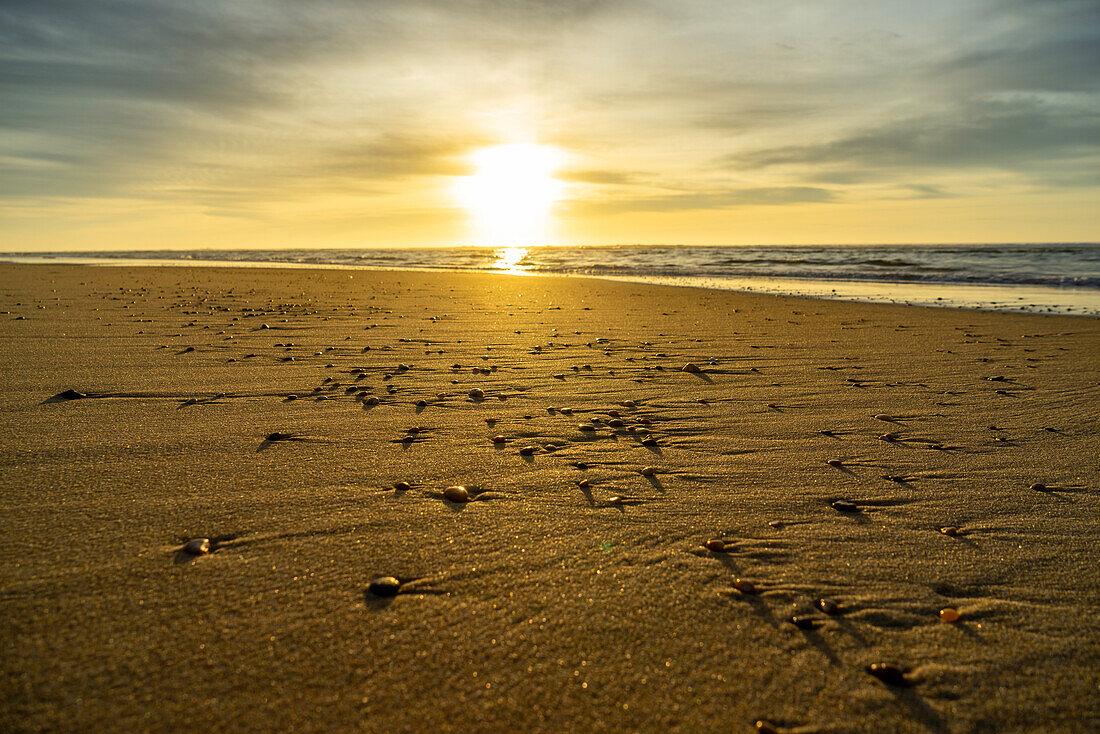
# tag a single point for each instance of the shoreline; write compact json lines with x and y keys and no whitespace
{"x":575,"y":591}
{"x":997,"y":298}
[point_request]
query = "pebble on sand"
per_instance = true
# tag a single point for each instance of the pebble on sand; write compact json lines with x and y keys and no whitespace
{"x":765,"y":727}
{"x":887,"y":673}
{"x":69,"y":395}
{"x":586,"y":427}
{"x":835,"y":462}
{"x":528,"y":450}
{"x":882,"y":417}
{"x":949,"y":615}
{"x":370,"y":400}
{"x":477,"y":393}
{"x":714,"y":545}
{"x":456,"y":494}
{"x":744,"y":586}
{"x":277,"y":436}
{"x":845,"y":506}
{"x":827,"y":606}
{"x":889,"y":437}
{"x":197,"y":547}
{"x":690,"y":367}
{"x":385,"y":586}
{"x":804,"y":623}
{"x":1039,"y":487}
{"x":402,"y":486}
{"x":499,"y":439}
{"x":648,"y":471}
{"x":950,"y":530}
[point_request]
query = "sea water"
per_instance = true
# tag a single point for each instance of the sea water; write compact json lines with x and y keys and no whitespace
{"x":1050,"y":278}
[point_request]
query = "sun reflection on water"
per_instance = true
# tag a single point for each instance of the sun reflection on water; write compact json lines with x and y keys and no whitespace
{"x":509,"y":259}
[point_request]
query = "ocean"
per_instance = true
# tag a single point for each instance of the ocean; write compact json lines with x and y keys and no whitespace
{"x":1049,"y":278}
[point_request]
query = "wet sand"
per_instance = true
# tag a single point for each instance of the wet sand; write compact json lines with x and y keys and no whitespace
{"x":827,"y":445}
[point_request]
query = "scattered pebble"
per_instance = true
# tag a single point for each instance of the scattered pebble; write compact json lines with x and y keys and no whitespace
{"x":527,"y":450}
{"x":950,"y":530}
{"x":845,"y":506}
{"x":402,"y":486}
{"x":887,"y":673}
{"x":949,"y":615}
{"x":648,"y":471}
{"x":197,"y":547}
{"x":889,"y":437}
{"x":586,"y":427}
{"x":804,"y":623}
{"x":384,"y":586}
{"x":835,"y":462}
{"x":827,"y":606}
{"x":69,"y":395}
{"x":456,"y":494}
{"x":765,"y":727}
{"x":1039,"y":487}
{"x":715,"y":546}
{"x":883,"y":417}
{"x":584,"y":484}
{"x":277,"y":436}
{"x":744,"y":586}
{"x":499,"y":439}
{"x":690,"y":367}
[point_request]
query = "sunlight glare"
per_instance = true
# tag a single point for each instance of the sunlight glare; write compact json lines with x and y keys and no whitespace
{"x":509,"y":258}
{"x":510,"y":194}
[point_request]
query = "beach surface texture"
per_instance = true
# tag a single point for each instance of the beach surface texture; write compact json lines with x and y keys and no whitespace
{"x":226,"y":505}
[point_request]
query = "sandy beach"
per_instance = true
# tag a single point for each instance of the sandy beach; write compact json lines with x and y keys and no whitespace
{"x":891,"y":461}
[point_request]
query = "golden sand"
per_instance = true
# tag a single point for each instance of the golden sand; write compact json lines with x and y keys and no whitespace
{"x":573,"y":592}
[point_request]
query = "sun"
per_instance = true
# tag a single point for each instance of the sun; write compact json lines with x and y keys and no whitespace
{"x":511,"y":193}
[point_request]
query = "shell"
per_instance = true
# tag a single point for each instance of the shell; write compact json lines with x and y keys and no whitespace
{"x":744,"y":586}
{"x":887,"y":673}
{"x":385,"y":586}
{"x":197,"y":546}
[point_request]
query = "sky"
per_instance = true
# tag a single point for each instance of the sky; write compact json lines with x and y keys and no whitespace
{"x":157,"y":124}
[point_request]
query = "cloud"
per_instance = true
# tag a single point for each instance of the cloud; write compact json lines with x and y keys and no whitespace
{"x":603,"y":177}
{"x":694,"y":201}
{"x":1019,"y":135}
{"x":233,"y":103}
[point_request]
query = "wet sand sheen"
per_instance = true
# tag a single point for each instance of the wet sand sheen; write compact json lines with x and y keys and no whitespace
{"x":840,"y":517}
